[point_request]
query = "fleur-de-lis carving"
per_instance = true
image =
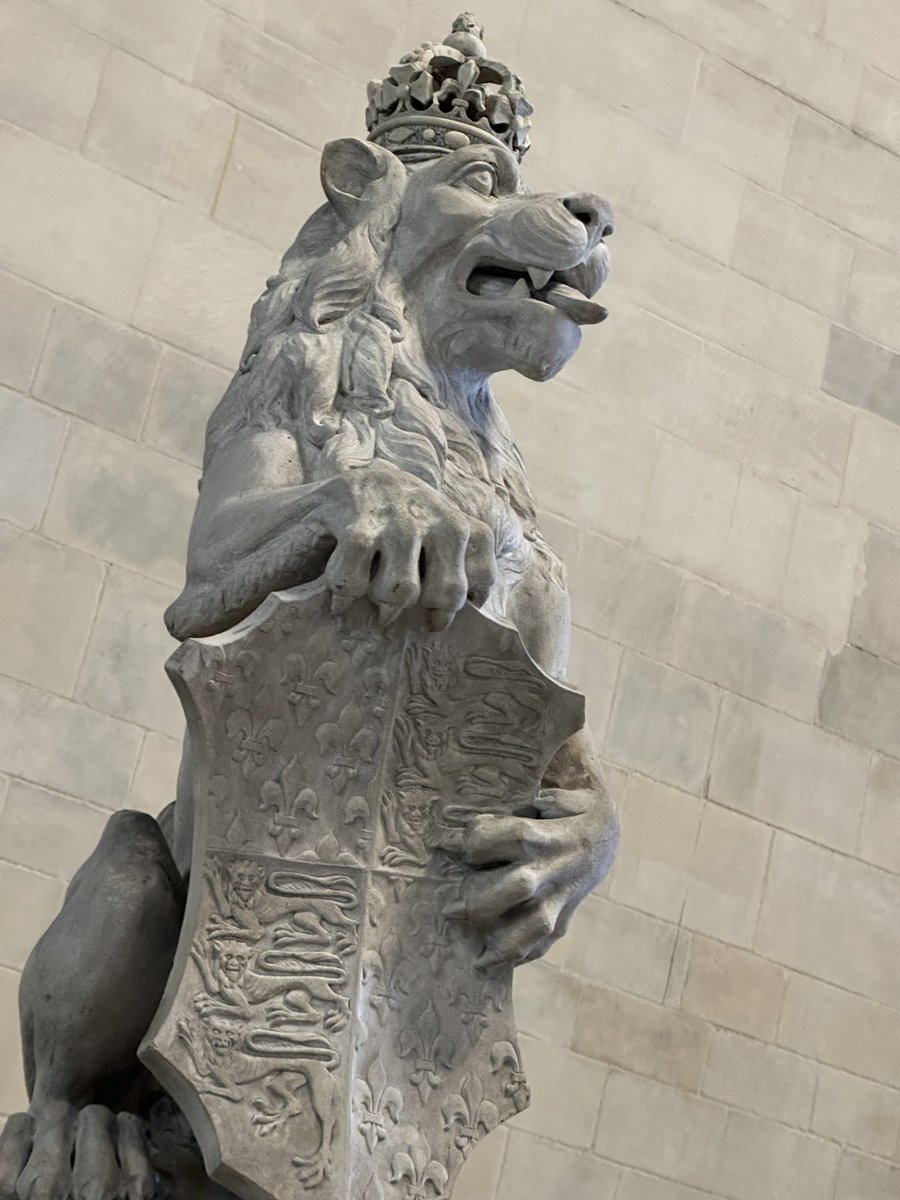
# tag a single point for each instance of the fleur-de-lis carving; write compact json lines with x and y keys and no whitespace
{"x":429,"y":1049}
{"x":388,"y":987}
{"x":346,"y":743}
{"x":357,"y":812}
{"x":478,"y":1001}
{"x":252,"y":740}
{"x":417,"y":1175}
{"x":306,"y":689}
{"x":377,"y":1102}
{"x":505,"y":1056}
{"x":222,"y":679}
{"x":469,"y":1115}
{"x":286,"y":800}
{"x":376,"y":684}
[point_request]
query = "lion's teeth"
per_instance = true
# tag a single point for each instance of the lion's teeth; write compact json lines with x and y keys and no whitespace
{"x":520,"y":289}
{"x":539,"y":279}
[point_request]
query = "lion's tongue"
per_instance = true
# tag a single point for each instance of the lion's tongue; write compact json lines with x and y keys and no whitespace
{"x":569,"y":300}
{"x":575,"y":305}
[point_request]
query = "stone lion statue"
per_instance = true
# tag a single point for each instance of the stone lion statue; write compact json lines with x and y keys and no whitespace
{"x":359,"y":441}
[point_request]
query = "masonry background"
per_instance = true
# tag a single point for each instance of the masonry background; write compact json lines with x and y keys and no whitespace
{"x":720,"y":466}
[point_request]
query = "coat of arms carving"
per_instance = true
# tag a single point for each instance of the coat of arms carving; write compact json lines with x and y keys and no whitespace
{"x":322,"y":999}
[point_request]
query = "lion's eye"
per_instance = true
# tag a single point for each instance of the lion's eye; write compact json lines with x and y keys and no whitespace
{"x":481,"y":179}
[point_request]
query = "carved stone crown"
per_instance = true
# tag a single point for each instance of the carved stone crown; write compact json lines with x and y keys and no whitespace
{"x":445,"y":95}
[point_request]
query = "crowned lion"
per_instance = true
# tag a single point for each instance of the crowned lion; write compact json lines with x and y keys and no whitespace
{"x":359,"y":442}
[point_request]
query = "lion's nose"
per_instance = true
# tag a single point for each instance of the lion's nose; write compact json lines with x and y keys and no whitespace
{"x":591,"y":211}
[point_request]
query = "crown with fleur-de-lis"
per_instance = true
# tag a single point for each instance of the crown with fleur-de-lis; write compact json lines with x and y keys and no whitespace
{"x":445,"y":95}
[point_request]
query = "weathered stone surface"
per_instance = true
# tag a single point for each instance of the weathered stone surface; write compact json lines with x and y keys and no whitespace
{"x":787,"y":773}
{"x":48,"y":832}
{"x":646,"y":1124}
{"x":200,"y":280}
{"x":185,"y":392}
{"x":763,"y":1079}
{"x":727,"y":875}
{"x":622,"y":595}
{"x":860,"y":1176}
{"x":794,"y":341}
{"x":271,"y":180}
{"x":824,"y":568}
{"x":50,"y":72}
{"x":34,"y":899}
{"x":24,"y":317}
{"x":691,"y":502}
{"x":869,"y":29}
{"x":595,"y":669}
{"x":879,"y":834}
{"x":659,"y":833}
{"x":871,"y":478}
{"x":101,"y":503}
{"x":616,"y":947}
{"x":12,"y":1082}
{"x":730,"y":987}
{"x":45,"y":627}
{"x":748,"y":650}
{"x":481,"y":1171}
{"x":760,"y":1160}
{"x":875,"y":625}
{"x":273,"y":82}
{"x":857,"y":1112}
{"x":860,"y":698}
{"x":661,"y":169}
{"x":878,"y":109}
{"x":533,"y":1164}
{"x":109,"y":224}
{"x":690,"y":290}
{"x":844,"y":179}
{"x":815,"y":898}
{"x":833,"y":1026}
{"x":97,"y":369}
{"x":546,"y":1002}
{"x":727,"y":109}
{"x":33,"y":437}
{"x":765,"y":45}
{"x":122,"y":671}
{"x":757,"y":417}
{"x":872,"y":306}
{"x":679,"y":710}
{"x":636,"y":1186}
{"x":154,"y":781}
{"x":642,"y":1037}
{"x":633,"y":47}
{"x":783,"y":246}
{"x":90,"y":755}
{"x":863,"y":374}
{"x":566,"y":1090}
{"x":755,"y":556}
{"x":166,"y":33}
{"x":157,"y":131}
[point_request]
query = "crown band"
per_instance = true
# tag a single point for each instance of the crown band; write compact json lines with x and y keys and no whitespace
{"x":442,"y":142}
{"x":445,"y":95}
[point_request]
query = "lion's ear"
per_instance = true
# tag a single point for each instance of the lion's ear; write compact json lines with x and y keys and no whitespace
{"x":355,"y":175}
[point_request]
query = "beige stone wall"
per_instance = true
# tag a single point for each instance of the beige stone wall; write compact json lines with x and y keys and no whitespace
{"x":720,"y":466}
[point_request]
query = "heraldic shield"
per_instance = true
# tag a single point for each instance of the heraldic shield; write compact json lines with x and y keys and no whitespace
{"x":325,"y":1030}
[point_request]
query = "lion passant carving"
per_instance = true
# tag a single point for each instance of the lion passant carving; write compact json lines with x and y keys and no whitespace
{"x":373,"y":791}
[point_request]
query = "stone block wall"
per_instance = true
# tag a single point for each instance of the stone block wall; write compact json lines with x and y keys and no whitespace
{"x":720,"y":466}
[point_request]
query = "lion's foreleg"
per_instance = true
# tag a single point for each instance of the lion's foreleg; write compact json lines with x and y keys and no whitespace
{"x":322,"y":1090}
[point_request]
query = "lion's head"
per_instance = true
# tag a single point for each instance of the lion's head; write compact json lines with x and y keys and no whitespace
{"x":398,"y":300}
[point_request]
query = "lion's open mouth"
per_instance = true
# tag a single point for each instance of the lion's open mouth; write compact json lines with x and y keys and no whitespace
{"x":558,"y":288}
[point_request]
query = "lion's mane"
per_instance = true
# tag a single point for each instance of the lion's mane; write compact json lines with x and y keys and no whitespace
{"x":330,"y":357}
